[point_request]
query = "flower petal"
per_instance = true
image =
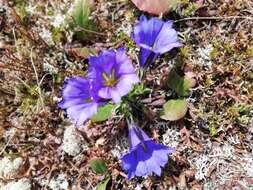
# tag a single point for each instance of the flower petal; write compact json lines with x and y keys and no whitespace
{"x":104,"y":92}
{"x":126,"y":83}
{"x":110,"y":93}
{"x":161,"y":157}
{"x":128,"y":161}
{"x":76,"y":87}
{"x":68,"y":102}
{"x":136,"y":135}
{"x":126,"y":67}
{"x":142,"y":169}
{"x":154,"y":166}
{"x":147,"y":30}
{"x":115,"y":95}
{"x":104,"y":62}
{"x":79,"y":99}
{"x":166,"y":39}
{"x":129,"y":164}
{"x":80,"y":113}
{"x":131,"y":175}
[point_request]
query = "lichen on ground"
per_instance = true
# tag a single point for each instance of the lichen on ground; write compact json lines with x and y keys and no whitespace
{"x":8,"y":168}
{"x":23,"y":184}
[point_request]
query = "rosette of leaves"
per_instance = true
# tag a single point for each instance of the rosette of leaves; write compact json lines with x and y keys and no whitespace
{"x":80,"y":21}
{"x":177,"y":108}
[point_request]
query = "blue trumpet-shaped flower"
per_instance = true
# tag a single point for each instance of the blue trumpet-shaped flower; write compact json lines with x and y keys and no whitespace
{"x":145,"y":156}
{"x":79,"y":99}
{"x":155,"y":37}
{"x":112,"y":74}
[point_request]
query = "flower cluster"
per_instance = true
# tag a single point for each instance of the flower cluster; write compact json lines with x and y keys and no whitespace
{"x":111,"y":75}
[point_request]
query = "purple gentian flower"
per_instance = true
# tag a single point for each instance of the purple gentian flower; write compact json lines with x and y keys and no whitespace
{"x":113,"y":74}
{"x":145,"y":156}
{"x":79,"y":99}
{"x":154,"y":36}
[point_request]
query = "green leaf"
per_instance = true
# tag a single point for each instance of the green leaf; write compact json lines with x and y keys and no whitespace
{"x":138,"y":90}
{"x":104,"y":113}
{"x":181,"y":85}
{"x":98,"y":166}
{"x":174,"y":110}
{"x":103,"y":184}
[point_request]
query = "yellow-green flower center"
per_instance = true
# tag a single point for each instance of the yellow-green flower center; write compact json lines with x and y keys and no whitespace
{"x":89,"y":100}
{"x":110,"y":80}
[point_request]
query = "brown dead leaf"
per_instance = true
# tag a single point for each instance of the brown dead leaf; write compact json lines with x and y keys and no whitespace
{"x":182,"y":181}
{"x":23,"y":170}
{"x":79,"y":52}
{"x":185,"y":135}
{"x":158,"y":102}
{"x":155,"y":134}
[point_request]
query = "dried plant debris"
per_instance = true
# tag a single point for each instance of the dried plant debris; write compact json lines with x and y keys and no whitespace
{"x":42,"y":43}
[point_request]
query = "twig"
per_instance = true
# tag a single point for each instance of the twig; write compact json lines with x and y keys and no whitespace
{"x":214,"y":18}
{"x":116,"y":10}
{"x":37,"y":79}
{"x":15,"y":39}
{"x":8,"y":142}
{"x":23,"y":82}
{"x":89,"y":31}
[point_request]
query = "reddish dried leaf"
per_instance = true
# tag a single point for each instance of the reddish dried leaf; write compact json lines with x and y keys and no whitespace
{"x":154,"y":7}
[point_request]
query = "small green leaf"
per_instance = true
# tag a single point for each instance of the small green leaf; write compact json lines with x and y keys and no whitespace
{"x":213,"y":130}
{"x":58,"y":35}
{"x":174,"y":110}
{"x":58,"y":77}
{"x":104,"y":113}
{"x":181,"y":85}
{"x":138,"y":90}
{"x":103,"y":184}
{"x":98,"y":166}
{"x":27,"y":104}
